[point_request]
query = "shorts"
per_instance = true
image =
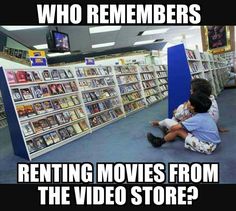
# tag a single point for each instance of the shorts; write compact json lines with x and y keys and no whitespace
{"x":193,"y":143}
{"x":168,"y":123}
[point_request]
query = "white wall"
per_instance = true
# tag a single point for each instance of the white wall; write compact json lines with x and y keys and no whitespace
{"x":6,"y":64}
{"x":191,"y":38}
{"x":14,"y":44}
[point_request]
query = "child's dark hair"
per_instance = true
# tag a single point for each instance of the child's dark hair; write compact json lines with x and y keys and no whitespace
{"x":201,"y":85}
{"x":200,"y":102}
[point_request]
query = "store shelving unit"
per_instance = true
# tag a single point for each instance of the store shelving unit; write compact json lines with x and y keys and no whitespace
{"x":100,"y":95}
{"x":45,"y":109}
{"x":130,"y":86}
{"x":207,"y":69}
{"x":3,"y":118}
{"x":149,"y":84}
{"x":49,"y":107}
{"x":162,"y":79}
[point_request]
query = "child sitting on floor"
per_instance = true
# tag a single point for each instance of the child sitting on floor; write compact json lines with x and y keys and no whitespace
{"x":199,"y":131}
{"x":182,"y":113}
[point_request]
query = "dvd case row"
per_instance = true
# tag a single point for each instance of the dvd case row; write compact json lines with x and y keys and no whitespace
{"x":53,"y":137}
{"x":93,"y":71}
{"x":125,"y":69}
{"x":21,"y":76}
{"x":37,"y":126}
{"x":26,"y":111}
{"x":105,"y":117}
{"x":43,"y":90}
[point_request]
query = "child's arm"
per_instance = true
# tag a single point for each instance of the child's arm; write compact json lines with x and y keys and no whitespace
{"x":221,"y":129}
{"x":181,"y":111}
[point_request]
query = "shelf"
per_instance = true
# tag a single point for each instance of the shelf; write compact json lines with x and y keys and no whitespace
{"x":100,"y":100}
{"x":163,"y":90}
{"x":158,"y":100}
{"x":143,"y":72}
{"x":107,"y":123}
{"x":3,"y":118}
{"x":37,"y":116}
{"x":45,"y":98}
{"x":53,"y":129}
{"x":120,"y":74}
{"x":150,"y":87}
{"x":152,"y":79}
{"x":58,"y":144}
{"x":41,"y":82}
{"x":97,"y":88}
{"x":133,"y":101}
{"x":100,"y":112}
{"x":194,"y":60}
{"x":161,"y":71}
{"x":163,"y":83}
{"x":193,"y":73}
{"x":94,"y":76}
{"x":162,"y":77}
{"x":152,"y":94}
{"x":137,"y":90}
{"x":133,"y":82}
{"x":134,"y":111}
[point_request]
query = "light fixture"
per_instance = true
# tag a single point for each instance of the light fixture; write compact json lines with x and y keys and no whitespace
{"x":144,"y":42}
{"x":100,"y":29}
{"x":194,"y":27}
{"x":14,"y":28}
{"x":42,"y":46}
{"x":101,"y":45}
{"x":154,"y":31}
{"x":58,"y":54}
{"x":181,"y":37}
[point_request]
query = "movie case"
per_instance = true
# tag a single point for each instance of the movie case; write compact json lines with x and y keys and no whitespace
{"x":39,"y":143}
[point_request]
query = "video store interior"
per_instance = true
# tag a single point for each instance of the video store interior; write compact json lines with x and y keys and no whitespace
{"x":129,"y":94}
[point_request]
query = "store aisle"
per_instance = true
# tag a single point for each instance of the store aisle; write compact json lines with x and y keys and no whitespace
{"x":125,"y":141}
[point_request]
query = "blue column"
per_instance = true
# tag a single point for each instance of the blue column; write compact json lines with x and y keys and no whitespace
{"x":179,"y":78}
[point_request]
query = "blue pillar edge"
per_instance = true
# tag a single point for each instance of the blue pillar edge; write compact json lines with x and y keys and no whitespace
{"x":179,"y":78}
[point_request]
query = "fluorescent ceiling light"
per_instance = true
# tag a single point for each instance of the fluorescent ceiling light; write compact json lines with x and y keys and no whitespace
{"x":14,"y":28}
{"x":100,"y":29}
{"x":144,"y":42}
{"x":58,"y":54}
{"x":155,"y":31}
{"x":194,"y":27}
{"x":181,"y":37}
{"x":42,"y":46}
{"x":101,"y":45}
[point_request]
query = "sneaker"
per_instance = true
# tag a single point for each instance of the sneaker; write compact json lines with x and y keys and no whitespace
{"x":155,"y":141}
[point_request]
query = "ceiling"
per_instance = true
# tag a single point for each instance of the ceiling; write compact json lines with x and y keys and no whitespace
{"x":81,"y":40}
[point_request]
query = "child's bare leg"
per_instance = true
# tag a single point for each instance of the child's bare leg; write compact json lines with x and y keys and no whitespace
{"x":173,"y":134}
